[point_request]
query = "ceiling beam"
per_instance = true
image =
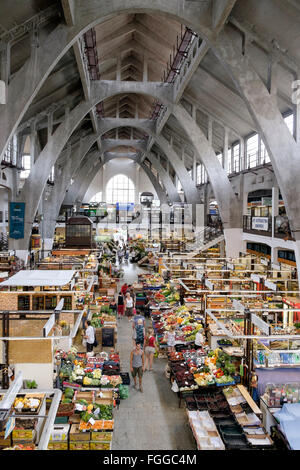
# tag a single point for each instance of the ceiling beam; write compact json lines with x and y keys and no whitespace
{"x":221,"y":9}
{"x":69,"y":12}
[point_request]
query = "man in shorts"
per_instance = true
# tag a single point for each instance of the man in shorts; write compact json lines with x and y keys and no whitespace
{"x":137,"y":367}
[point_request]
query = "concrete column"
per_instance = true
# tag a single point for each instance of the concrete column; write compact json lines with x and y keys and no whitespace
{"x":242,"y":155}
{"x":234,"y":241}
{"x":137,"y":183}
{"x":259,"y":150}
{"x":49,"y":125}
{"x":145,"y":69}
{"x":296,"y":115}
{"x":118,"y":76}
{"x":225,"y":150}
{"x":272,"y":83}
{"x":209,"y":129}
{"x":275,"y":203}
{"x":136,"y":110}
{"x":195,"y":169}
{"x":33,"y":137}
{"x":5,"y":62}
{"x":118,"y":110}
{"x":194,"y":112}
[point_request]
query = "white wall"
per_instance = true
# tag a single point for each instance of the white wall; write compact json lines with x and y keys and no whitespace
{"x":41,"y":373}
{"x":126,"y":167}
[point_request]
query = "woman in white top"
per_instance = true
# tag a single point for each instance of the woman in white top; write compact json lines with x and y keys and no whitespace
{"x":129,"y":305}
{"x":90,"y":337}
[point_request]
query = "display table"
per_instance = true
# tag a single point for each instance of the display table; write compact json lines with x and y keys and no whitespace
{"x":267,"y":415}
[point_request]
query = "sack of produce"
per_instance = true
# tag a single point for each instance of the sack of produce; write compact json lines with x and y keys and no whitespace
{"x":123,"y":391}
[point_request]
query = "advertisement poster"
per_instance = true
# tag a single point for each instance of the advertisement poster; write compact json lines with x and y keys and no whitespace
{"x":16,"y":220}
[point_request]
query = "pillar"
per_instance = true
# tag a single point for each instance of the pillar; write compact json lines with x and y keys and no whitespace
{"x":225,"y":150}
{"x":145,"y":69}
{"x":209,"y":129}
{"x":275,"y":211}
{"x":118,"y":76}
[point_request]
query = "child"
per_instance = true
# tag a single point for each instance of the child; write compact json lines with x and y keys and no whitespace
{"x":171,"y":339}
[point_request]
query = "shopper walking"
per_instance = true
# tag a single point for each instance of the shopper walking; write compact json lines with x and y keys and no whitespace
{"x":150,"y":348}
{"x":120,"y":254}
{"x":129,"y":305}
{"x":137,"y":365}
{"x":89,"y":336}
{"x":124,"y":288}
{"x":138,"y":335}
{"x":120,"y":305}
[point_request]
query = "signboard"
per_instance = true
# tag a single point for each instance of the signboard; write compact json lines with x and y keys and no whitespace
{"x":261,"y":324}
{"x":264,"y":261}
{"x":49,"y":325}
{"x":230,"y":266}
{"x":270,"y":285}
{"x":125,"y":206}
{"x":237,"y":305}
{"x":9,"y":426}
{"x":255,"y":278}
{"x":260,"y":223}
{"x":16,"y":220}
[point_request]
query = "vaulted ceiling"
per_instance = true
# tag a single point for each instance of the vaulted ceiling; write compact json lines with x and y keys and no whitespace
{"x":142,"y":46}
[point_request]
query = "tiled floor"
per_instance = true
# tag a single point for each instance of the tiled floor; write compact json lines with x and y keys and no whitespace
{"x":149,"y":420}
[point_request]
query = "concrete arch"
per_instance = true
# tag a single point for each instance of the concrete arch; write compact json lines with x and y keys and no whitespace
{"x":87,"y":14}
{"x":90,"y":166}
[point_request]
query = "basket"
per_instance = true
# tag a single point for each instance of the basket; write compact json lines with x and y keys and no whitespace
{"x":61,"y":412}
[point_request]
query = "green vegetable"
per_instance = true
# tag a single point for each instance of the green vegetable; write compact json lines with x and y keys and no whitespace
{"x":69,"y":393}
{"x":66,"y":400}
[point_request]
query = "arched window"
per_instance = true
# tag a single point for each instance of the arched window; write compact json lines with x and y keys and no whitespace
{"x":120,"y":188}
{"x":97,"y":197}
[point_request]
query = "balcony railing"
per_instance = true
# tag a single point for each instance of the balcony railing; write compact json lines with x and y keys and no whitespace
{"x":263,"y":226}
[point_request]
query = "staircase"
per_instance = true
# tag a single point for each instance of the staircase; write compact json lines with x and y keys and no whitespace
{"x":205,"y":239}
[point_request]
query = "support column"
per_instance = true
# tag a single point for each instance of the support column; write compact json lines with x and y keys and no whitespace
{"x":209,"y":129}
{"x":118,"y":76}
{"x":195,"y":169}
{"x":242,"y":155}
{"x":296,"y":114}
{"x":275,"y":212}
{"x":145,"y":69}
{"x":225,"y":150}
{"x":234,"y":242}
{"x":272,"y":76}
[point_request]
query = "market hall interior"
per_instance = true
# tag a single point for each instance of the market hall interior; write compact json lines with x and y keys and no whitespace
{"x":155,"y":143}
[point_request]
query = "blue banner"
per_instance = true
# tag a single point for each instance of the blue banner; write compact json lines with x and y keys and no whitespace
{"x":16,"y":220}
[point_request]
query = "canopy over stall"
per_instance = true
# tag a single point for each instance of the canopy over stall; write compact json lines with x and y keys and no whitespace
{"x":40,"y":278}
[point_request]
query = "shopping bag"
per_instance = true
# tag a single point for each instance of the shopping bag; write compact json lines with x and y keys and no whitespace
{"x":84,"y":342}
{"x":175,"y":387}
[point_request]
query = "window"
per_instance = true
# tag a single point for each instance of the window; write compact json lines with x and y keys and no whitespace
{"x":229,"y":170}
{"x":97,"y":197}
{"x":220,"y":158}
{"x":26,"y":164}
{"x":252,"y":151}
{"x":236,"y":158}
{"x":201,"y":174}
{"x":120,"y":188}
{"x":265,"y":158}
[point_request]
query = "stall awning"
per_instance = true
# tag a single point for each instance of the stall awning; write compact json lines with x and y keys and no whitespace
{"x":42,"y":277}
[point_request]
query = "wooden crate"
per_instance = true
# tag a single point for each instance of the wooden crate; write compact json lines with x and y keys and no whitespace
{"x":77,"y":435}
{"x":57,"y":445}
{"x":79,"y":445}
